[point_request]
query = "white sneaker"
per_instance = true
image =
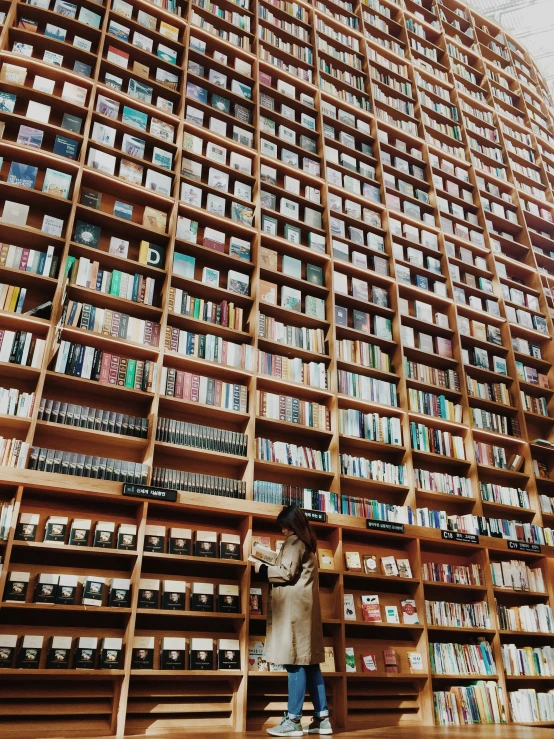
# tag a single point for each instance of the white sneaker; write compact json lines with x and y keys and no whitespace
{"x":319,"y":726}
{"x":287,"y":727}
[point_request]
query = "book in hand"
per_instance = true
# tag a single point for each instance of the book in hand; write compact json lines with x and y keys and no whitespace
{"x":79,"y":532}
{"x":228,"y":654}
{"x":66,"y":593}
{"x":46,"y":588}
{"x":58,"y":656}
{"x":173,"y":652}
{"x":15,"y":590}
{"x":86,"y":650}
{"x":229,"y":546}
{"x":154,"y":538}
{"x":371,"y":609}
{"x":202,"y":596}
{"x":142,"y":657}
{"x":120,"y":591}
{"x":205,"y":544}
{"x":93,"y":590}
{"x":263,"y":554}
{"x":110,"y":653}
{"x":173,"y":595}
{"x":26,"y":529}
{"x":369,"y":662}
{"x":228,"y":598}
{"x":201,"y":654}
{"x":56,"y":527}
{"x":8,"y":644}
{"x":149,"y":593}
{"x":28,"y":657}
{"x":180,"y":541}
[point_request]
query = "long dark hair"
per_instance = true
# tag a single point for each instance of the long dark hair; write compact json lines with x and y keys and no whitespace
{"x":294,"y":518}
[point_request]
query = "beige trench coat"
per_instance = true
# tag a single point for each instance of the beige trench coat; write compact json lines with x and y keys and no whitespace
{"x":294,"y":630}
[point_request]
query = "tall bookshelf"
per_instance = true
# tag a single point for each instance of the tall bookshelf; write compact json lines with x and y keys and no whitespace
{"x":380,"y":176}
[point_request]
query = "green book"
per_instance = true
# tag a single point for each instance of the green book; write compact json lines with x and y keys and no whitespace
{"x":116,"y":282}
{"x":130,"y":374}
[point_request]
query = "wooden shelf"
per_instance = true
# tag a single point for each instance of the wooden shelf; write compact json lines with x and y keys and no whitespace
{"x":398,"y":153}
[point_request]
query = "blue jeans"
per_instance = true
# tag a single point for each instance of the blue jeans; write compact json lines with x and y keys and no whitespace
{"x":301,"y":676}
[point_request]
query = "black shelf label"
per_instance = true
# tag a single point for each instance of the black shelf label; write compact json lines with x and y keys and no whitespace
{"x":319,"y":516}
{"x":462,"y":538}
{"x":152,"y":493}
{"x":523,"y":546}
{"x":397,"y":528}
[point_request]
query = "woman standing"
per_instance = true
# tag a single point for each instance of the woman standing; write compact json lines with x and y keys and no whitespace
{"x":294,"y":630}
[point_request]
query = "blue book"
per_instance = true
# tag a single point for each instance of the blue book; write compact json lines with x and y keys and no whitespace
{"x":134,"y":118}
{"x":41,"y":263}
{"x":123,"y":210}
{"x":65,"y":147}
{"x":24,"y":175}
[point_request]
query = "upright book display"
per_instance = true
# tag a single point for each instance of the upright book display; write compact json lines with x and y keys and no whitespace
{"x":273,"y":253}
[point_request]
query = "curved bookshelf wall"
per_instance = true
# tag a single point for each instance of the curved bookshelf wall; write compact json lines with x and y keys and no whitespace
{"x":260,"y":252}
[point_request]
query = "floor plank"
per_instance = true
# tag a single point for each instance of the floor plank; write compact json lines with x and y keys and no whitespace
{"x":392,"y":732}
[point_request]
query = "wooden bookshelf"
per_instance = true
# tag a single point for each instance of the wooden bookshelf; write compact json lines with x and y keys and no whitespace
{"x":382,"y":173}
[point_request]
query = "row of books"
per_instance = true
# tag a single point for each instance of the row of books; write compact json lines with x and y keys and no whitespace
{"x":528,"y":660}
{"x":517,"y":575}
{"x":184,"y":541}
{"x":112,"y":323}
{"x":481,"y":703}
{"x":21,"y":347}
{"x":78,"y":533}
{"x":173,"y":653}
{"x":293,"y":410}
{"x":470,"y":574}
{"x":292,"y":454}
{"x":85,"y":653}
{"x":198,"y":483}
{"x":13,"y":452}
{"x":375,"y":469}
{"x":97,"y":419}
{"x":363,"y":353}
{"x":442,"y":482}
{"x":434,"y":405}
{"x":527,"y":705}
{"x":69,"y":590}
{"x":462,"y":659}
{"x":44,"y":263}
{"x":171,"y":595}
{"x":386,"y":429}
{"x":210,"y":347}
{"x":184,"y":433}
{"x":537,"y":618}
{"x":495,"y":422}
{"x":504,"y":495}
{"x":43,"y":459}
{"x":6,"y":513}
{"x":16,"y":403}
{"x":206,"y":390}
{"x":298,"y":337}
{"x":293,"y":369}
{"x":86,"y":273}
{"x":367,"y":388}
{"x":458,"y":615}
{"x":225,"y":314}
{"x":89,"y":363}
{"x":436,"y":441}
{"x":371,"y":610}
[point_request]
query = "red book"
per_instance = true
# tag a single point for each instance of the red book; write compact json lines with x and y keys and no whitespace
{"x":369,"y":663}
{"x":105,"y":367}
{"x":392,"y":662}
{"x":224,"y":313}
{"x":187,"y":389}
{"x":371,"y":609}
{"x":24,"y":259}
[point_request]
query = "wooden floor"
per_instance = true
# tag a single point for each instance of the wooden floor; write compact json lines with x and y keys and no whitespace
{"x":393,"y":732}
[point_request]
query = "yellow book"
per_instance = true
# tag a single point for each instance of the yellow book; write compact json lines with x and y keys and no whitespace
{"x":143,"y":252}
{"x":9,"y":305}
